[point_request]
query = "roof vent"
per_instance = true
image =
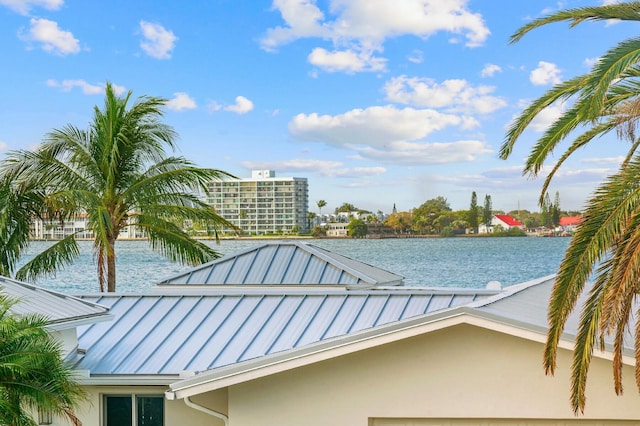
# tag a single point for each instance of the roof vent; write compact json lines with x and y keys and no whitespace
{"x":494,"y":285}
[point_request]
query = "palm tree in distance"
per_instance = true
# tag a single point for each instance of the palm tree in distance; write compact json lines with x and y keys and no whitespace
{"x":119,"y":174}
{"x":32,"y":374}
{"x":320,"y":204}
{"x":606,"y":246}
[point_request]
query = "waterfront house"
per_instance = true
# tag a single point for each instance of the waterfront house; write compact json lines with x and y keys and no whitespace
{"x":337,"y":229}
{"x":569,"y":223}
{"x":287,"y":333}
{"x":505,"y":221}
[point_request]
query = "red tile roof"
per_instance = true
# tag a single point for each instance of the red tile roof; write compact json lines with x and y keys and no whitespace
{"x":570,"y":220}
{"x":508,"y":220}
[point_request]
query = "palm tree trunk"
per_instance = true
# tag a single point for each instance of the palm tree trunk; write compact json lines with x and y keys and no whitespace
{"x":111,"y":266}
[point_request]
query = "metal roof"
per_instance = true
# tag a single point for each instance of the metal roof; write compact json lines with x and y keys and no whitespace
{"x":60,"y":309}
{"x":166,"y":334}
{"x":527,"y":303}
{"x":286,"y":263}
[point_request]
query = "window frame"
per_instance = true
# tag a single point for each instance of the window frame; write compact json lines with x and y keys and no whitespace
{"x":134,"y":405}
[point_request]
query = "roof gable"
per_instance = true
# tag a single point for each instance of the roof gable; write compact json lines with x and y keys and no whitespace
{"x":61,"y":310}
{"x":508,"y":220}
{"x":286,"y":263}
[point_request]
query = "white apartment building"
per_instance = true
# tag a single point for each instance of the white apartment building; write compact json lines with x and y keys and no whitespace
{"x":46,"y":229}
{"x":263,"y":204}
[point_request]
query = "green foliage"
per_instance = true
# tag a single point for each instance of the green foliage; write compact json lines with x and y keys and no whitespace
{"x":346,"y":208}
{"x":499,"y":231}
{"x":357,"y":228}
{"x":487,"y":211}
{"x":117,"y":172}
{"x":32,"y":373}
{"x":431,"y":216}
{"x":447,"y":231}
{"x":604,"y":248}
{"x":472,"y":215}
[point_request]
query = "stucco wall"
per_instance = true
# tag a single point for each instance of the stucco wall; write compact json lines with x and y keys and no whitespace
{"x":463,"y":371}
{"x":176,"y":412}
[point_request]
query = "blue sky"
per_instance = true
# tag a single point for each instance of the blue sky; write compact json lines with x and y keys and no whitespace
{"x":375,"y":102}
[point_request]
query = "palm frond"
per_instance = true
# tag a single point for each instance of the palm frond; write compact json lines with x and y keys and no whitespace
{"x":47,"y":262}
{"x":627,"y":11}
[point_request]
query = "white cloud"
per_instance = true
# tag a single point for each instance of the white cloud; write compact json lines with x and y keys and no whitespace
{"x":547,"y":117}
{"x":417,"y":57}
{"x":375,"y":126}
{"x":24,"y":6}
{"x":410,"y":153}
{"x":454,"y":95}
{"x":158,"y":42}
{"x":490,"y":70}
{"x":50,"y":37}
{"x":181,"y":101}
{"x":347,"y":61}
{"x":87,"y":88}
{"x":604,"y":161}
{"x":364,"y":25}
{"x":3,"y":146}
{"x":546,"y":73}
{"x":242,"y":106}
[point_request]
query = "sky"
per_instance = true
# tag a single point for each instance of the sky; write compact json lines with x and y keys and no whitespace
{"x":376,"y":102}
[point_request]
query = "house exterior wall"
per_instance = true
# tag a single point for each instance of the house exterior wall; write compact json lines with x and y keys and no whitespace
{"x":337,"y":229}
{"x":263,"y":204}
{"x":175,"y":412}
{"x":459,"y":372}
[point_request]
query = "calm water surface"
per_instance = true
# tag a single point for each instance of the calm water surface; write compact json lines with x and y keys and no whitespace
{"x":443,"y":262}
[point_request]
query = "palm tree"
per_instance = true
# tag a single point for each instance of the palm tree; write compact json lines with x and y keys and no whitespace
{"x":32,"y":374}
{"x":119,"y":174}
{"x":606,"y":246}
{"x":320,"y":204}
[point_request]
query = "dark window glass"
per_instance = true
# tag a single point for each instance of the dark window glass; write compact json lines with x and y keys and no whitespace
{"x":150,"y":410}
{"x":118,"y":410}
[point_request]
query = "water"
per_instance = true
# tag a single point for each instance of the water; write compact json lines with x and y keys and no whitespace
{"x":441,"y":262}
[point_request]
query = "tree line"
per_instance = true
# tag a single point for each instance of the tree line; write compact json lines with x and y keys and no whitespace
{"x":435,"y":217}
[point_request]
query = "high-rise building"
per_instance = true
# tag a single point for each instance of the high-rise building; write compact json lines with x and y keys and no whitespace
{"x":263,"y":204}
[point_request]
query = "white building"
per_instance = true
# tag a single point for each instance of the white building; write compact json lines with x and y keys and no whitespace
{"x":263,"y":204}
{"x":54,"y":229}
{"x":337,"y":229}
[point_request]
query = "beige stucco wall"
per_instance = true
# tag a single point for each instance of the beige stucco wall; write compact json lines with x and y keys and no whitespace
{"x":463,"y":371}
{"x":176,"y":412}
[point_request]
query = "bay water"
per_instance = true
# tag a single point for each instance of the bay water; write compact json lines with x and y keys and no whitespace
{"x":433,"y":262}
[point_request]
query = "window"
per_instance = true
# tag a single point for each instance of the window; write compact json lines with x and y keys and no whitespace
{"x":45,"y":417}
{"x":133,"y":410}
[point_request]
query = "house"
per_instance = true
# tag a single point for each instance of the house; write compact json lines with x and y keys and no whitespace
{"x":287,"y":333}
{"x":337,"y":229}
{"x":503,"y":220}
{"x":569,"y":223}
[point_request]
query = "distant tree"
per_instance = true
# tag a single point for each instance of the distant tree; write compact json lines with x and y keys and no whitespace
{"x":487,"y":211}
{"x":310,"y":217}
{"x":320,"y":204}
{"x":399,"y":222}
{"x":546,"y":211}
{"x":555,"y":210}
{"x":346,"y":208}
{"x":472,"y":216}
{"x":428,"y":217}
{"x":357,"y":228}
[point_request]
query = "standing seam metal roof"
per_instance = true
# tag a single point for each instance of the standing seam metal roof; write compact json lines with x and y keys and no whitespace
{"x":167,"y":334}
{"x":286,"y":263}
{"x":57,"y":307}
